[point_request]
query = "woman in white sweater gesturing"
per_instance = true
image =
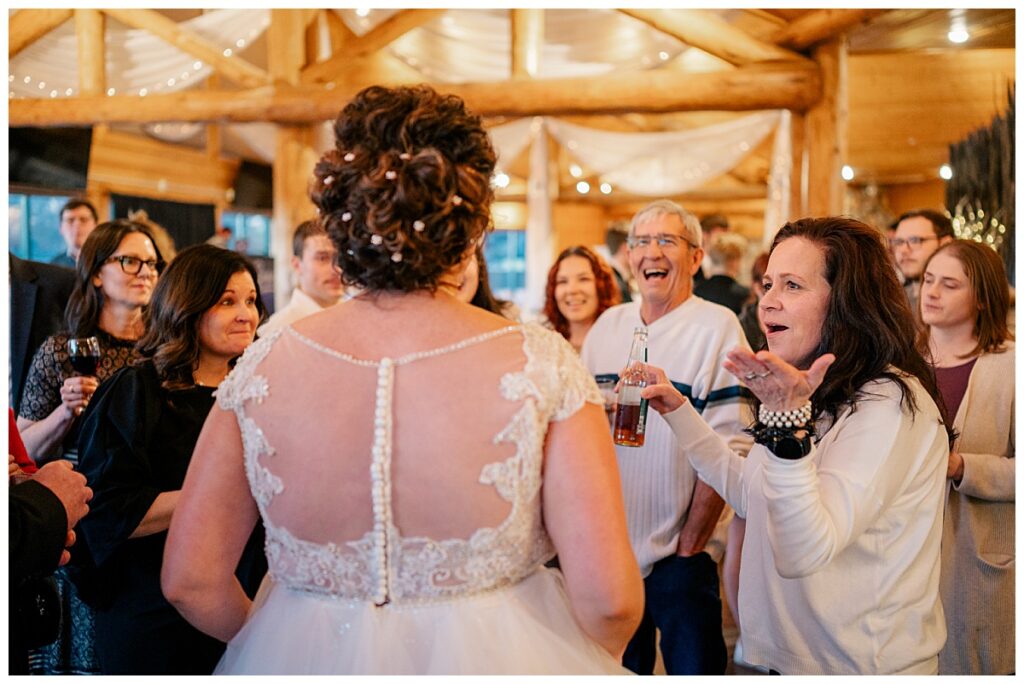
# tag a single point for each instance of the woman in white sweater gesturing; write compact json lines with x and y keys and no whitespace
{"x":843,"y":490}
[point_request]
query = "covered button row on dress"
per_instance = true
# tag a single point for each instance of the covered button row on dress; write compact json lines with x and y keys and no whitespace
{"x":381,"y":477}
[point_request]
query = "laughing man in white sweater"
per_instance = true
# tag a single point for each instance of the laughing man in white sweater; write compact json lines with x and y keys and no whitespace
{"x":675,"y":522}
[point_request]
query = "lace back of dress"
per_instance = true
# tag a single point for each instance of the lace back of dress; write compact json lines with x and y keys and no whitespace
{"x":415,"y":478}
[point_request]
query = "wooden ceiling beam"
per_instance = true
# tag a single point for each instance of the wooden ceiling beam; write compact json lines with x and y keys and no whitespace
{"x":286,"y":45}
{"x":527,"y":42}
{"x":755,"y":87}
{"x":233,"y":68}
{"x":26,"y":26}
{"x":705,"y":30}
{"x":821,"y":25}
{"x":381,"y":35}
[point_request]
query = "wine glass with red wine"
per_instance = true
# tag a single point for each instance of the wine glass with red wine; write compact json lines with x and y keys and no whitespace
{"x":84,"y":354}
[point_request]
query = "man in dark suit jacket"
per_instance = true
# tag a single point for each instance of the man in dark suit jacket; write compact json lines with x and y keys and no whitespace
{"x":41,"y":512}
{"x":39,"y":293}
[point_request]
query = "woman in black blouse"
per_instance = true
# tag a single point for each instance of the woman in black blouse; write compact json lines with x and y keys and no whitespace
{"x":114,"y":280}
{"x":115,"y":276}
{"x":136,"y":444}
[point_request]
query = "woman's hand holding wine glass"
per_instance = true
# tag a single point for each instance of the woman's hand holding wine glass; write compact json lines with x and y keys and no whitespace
{"x":84,"y":354}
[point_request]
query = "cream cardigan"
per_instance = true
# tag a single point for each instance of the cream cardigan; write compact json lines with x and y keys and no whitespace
{"x":978,"y":555}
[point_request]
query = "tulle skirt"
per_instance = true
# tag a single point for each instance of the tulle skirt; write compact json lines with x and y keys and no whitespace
{"x":527,"y":628}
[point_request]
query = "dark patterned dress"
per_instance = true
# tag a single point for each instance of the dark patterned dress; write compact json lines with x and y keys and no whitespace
{"x":74,"y":652}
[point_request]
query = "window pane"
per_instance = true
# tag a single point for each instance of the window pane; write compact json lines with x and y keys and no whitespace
{"x":17,"y":224}
{"x":505,"y":251}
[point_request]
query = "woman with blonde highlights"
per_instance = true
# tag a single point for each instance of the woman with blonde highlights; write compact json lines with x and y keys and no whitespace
{"x":415,"y":460}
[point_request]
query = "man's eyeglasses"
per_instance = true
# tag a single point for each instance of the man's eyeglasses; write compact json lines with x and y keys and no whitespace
{"x":915,"y":241}
{"x":663,"y":239}
{"x":133,"y":265}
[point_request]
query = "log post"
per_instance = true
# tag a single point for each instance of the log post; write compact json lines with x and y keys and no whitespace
{"x":826,"y":133}
{"x":527,"y":42}
{"x":798,"y":177}
{"x":294,"y":155}
{"x":92,"y":62}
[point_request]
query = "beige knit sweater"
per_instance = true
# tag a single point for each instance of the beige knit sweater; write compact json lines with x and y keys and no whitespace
{"x":978,"y":557}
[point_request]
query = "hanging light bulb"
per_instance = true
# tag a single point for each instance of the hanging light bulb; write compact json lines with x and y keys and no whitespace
{"x":958,"y":27}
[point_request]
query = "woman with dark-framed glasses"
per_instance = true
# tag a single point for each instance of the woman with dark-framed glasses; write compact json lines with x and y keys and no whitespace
{"x":116,"y":272}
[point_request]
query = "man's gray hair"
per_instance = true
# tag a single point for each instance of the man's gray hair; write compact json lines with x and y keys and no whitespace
{"x":665,"y":207}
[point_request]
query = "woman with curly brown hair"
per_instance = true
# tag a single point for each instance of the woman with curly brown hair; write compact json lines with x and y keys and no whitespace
{"x":400,"y":481}
{"x":136,"y":444}
{"x":580,"y":288}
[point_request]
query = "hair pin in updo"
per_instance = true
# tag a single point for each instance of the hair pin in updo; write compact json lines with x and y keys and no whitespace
{"x":396,"y":257}
{"x":390,"y":175}
{"x":350,"y":156}
{"x":418,"y":226}
{"x":376,"y":239}
{"x":456,"y":200}
{"x":405,"y":156}
{"x":328,"y":180}
{"x":347,"y":216}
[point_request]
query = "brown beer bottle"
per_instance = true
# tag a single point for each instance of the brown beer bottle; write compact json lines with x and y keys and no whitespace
{"x":631,"y":410}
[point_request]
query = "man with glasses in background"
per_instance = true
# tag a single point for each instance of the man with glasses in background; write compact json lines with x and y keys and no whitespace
{"x":918,"y":234}
{"x":676,"y":522}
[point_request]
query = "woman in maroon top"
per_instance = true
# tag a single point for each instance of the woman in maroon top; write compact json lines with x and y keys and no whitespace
{"x":963,"y":306}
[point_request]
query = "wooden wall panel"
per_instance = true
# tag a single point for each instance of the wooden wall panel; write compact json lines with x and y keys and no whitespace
{"x":907,"y":107}
{"x":136,"y":165}
{"x":904,"y":197}
{"x":578,"y":223}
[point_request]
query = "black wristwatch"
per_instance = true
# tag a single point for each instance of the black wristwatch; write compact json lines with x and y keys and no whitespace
{"x":785,"y":444}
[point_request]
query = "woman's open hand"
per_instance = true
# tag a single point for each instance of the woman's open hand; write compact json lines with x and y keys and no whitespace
{"x":779,"y":385}
{"x":659,"y":393}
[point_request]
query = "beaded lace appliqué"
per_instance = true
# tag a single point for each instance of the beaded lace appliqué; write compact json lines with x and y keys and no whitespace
{"x":383,"y":566}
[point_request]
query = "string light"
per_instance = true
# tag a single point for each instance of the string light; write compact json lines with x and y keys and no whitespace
{"x":111,"y":91}
{"x":945,"y":172}
{"x":847,"y":173}
{"x":575,"y":171}
{"x":583,"y":187}
{"x":501,"y":180}
{"x":606,"y":188}
{"x":227,"y":52}
{"x":362,"y":12}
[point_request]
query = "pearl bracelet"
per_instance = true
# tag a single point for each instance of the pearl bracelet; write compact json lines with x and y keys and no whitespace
{"x":798,"y":417}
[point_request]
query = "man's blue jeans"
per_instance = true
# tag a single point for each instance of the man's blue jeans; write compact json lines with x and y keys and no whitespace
{"x":682,"y":601}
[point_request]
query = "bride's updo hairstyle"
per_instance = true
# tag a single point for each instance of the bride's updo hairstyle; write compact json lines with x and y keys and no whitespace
{"x":406,"y":192}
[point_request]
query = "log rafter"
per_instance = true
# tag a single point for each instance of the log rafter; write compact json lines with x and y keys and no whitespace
{"x":705,"y":30}
{"x":387,"y":31}
{"x":234,"y":68}
{"x":795,"y":86}
{"x":821,"y":25}
{"x":27,"y":26}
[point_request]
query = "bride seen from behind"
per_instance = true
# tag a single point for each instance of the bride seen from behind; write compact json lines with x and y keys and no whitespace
{"x":415,"y":460}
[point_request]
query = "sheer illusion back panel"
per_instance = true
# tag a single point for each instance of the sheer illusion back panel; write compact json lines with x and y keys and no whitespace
{"x":318,"y":420}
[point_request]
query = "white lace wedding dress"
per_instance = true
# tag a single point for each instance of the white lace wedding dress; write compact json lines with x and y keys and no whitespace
{"x":402,"y":506}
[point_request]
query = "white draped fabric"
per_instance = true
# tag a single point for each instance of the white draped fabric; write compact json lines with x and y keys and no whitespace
{"x":647,"y":164}
{"x":664,"y":163}
{"x":137,"y":60}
